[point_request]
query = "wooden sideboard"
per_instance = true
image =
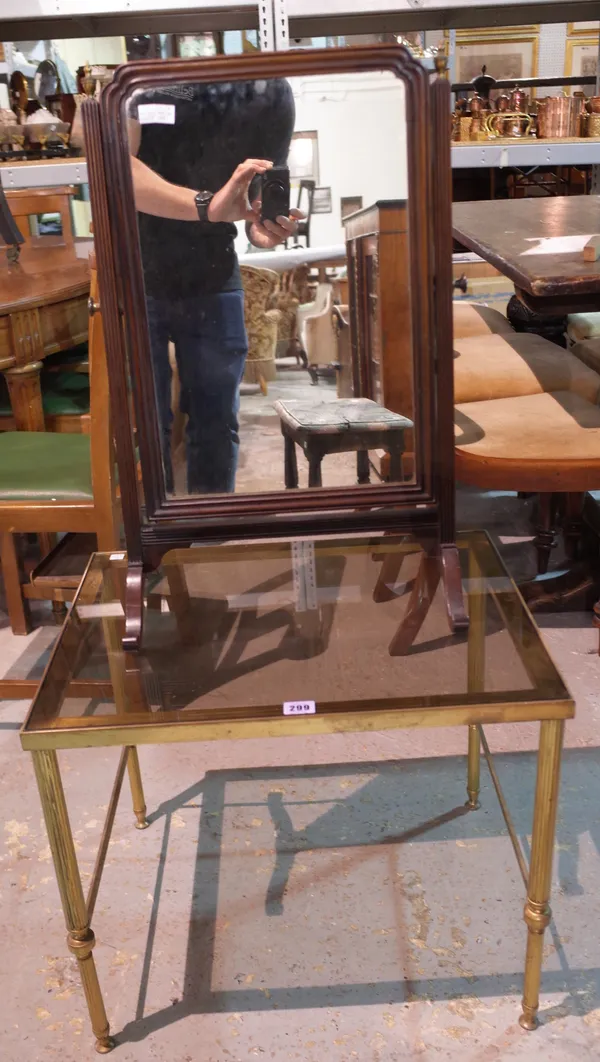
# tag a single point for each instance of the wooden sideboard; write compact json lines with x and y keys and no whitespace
{"x":43,"y":300}
{"x":379,"y":307}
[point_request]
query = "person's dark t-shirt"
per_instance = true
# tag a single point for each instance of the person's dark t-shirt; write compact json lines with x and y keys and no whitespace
{"x":216,"y":127}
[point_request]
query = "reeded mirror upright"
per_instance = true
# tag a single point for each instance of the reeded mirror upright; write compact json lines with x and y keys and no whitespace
{"x":271,"y":231}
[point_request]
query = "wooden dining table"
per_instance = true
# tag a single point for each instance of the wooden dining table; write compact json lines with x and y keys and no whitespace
{"x":43,"y":310}
{"x":538,"y":244}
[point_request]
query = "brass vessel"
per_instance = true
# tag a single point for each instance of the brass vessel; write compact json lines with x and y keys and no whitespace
{"x":510,"y":124}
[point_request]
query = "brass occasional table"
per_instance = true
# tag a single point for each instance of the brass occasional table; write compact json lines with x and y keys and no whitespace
{"x":290,"y":638}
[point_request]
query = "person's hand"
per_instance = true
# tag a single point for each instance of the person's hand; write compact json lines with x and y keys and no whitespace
{"x":230,"y":203}
{"x":267,"y":234}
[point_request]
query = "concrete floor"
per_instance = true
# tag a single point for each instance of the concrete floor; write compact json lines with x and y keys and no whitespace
{"x":310,"y":899}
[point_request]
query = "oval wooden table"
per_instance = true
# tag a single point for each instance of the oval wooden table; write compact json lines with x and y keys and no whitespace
{"x":43,"y":309}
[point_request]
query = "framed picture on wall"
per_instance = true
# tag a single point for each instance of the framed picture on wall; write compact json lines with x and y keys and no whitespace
{"x":321,"y":203}
{"x":197,"y":45}
{"x":503,"y":58}
{"x":580,"y":29}
{"x":581,"y":57}
{"x":303,"y":158}
{"x":496,"y":33}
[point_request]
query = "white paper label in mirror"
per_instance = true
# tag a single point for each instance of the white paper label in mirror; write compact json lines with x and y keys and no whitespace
{"x":156,"y":114}
{"x":299,"y":708}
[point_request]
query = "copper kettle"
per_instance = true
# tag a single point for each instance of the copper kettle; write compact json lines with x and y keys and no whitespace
{"x":476,"y":105}
{"x":519,"y":100}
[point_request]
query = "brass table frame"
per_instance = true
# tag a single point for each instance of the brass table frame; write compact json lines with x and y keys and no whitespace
{"x":78,"y":909}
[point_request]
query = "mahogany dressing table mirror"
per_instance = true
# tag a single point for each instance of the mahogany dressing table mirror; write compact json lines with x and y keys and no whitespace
{"x":364,"y":121}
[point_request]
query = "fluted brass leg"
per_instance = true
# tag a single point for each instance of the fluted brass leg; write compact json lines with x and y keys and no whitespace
{"x":137,"y":789}
{"x":537,"y":912}
{"x":80,"y":938}
{"x":475,"y":669}
{"x":473,"y":768}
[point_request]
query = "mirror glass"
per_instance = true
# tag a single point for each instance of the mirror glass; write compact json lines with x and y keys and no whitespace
{"x":273,"y":230}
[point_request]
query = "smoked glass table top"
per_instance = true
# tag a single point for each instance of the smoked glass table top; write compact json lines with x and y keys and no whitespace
{"x":353,"y":630}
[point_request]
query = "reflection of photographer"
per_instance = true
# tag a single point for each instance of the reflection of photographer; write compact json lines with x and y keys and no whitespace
{"x":200,"y":152}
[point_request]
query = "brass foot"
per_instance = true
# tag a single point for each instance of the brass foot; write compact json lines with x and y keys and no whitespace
{"x":529,"y":1022}
{"x":472,"y":803}
{"x":142,"y":822}
{"x":105,"y":1044}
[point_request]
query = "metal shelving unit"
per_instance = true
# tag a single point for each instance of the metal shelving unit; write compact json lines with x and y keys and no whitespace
{"x":529,"y":153}
{"x":43,"y":174}
{"x":22,"y":19}
{"x":467,"y":156}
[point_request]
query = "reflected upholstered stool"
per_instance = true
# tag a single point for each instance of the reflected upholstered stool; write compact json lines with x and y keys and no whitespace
{"x":548,"y":444}
{"x":476,"y":319}
{"x":340,"y":426}
{"x":507,"y":366}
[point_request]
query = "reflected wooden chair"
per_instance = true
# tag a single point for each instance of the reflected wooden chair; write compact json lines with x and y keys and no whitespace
{"x":59,"y":482}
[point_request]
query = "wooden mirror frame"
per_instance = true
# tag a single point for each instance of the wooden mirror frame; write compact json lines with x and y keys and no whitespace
{"x":425,"y":507}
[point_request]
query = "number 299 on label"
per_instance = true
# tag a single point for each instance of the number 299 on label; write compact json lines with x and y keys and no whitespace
{"x":299,"y":708}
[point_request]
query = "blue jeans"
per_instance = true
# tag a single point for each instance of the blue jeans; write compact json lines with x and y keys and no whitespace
{"x":210,"y":347}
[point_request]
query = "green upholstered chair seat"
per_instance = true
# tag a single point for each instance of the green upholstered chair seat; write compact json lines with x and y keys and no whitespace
{"x":77,"y":357}
{"x":63,"y":394}
{"x":44,"y":466}
{"x":64,"y":403}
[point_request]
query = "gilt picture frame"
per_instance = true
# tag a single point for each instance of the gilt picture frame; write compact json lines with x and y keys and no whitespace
{"x":581,"y":57}
{"x":504,"y":57}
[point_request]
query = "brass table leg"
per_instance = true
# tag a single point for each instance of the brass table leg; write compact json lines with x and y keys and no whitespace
{"x":475,"y":670}
{"x":473,"y":762}
{"x":137,"y":789}
{"x":80,"y":938}
{"x":537,"y":912}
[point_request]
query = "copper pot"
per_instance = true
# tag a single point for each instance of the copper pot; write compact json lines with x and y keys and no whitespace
{"x":476,"y":105}
{"x":593,"y":105}
{"x":519,"y":101}
{"x":477,"y":130}
{"x":503,"y":103}
{"x":580,"y":113}
{"x":558,"y":116}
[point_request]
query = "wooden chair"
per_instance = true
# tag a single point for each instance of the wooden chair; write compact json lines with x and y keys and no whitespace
{"x":65,"y":397}
{"x":544,"y":443}
{"x":27,"y":202}
{"x":477,"y":319}
{"x":59,"y":482}
{"x":520,"y":363}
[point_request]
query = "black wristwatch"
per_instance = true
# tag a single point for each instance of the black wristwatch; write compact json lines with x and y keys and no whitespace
{"x":203,"y":201}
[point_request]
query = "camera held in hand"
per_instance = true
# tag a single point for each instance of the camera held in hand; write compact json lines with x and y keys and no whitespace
{"x":275,"y":194}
